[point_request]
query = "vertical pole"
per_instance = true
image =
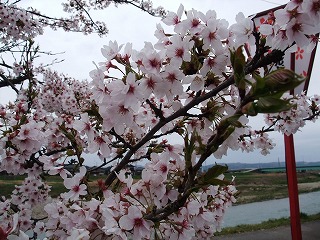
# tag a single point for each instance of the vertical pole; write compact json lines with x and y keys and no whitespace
{"x":292,"y":179}
{"x":292,"y":188}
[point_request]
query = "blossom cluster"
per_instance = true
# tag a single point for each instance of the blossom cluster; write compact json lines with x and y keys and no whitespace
{"x":147,"y":6}
{"x":17,"y":24}
{"x":22,"y":24}
{"x":297,"y":23}
{"x":289,"y":122}
{"x":120,"y":215}
{"x":194,"y":84}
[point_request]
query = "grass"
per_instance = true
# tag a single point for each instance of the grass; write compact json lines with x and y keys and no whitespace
{"x":256,"y":187}
{"x":272,"y":223}
{"x":8,"y":182}
{"x":252,"y":187}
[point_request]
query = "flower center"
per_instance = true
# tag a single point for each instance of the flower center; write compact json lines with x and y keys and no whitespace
{"x":76,"y":188}
{"x":138,"y":222}
{"x":179,"y":52}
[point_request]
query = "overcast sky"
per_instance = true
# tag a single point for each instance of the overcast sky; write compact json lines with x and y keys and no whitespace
{"x":128,"y":24}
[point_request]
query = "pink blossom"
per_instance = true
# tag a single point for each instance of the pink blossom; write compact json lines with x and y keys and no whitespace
{"x":73,"y":184}
{"x":242,"y":30}
{"x":79,"y":234}
{"x":111,"y":51}
{"x":151,"y":62}
{"x":128,"y":93}
{"x":196,"y":80}
{"x":152,"y":84}
{"x":216,"y":63}
{"x":134,"y":220}
{"x":179,"y":50}
{"x":296,"y":31}
{"x":173,"y":77}
{"x":214,"y":32}
{"x":84,"y":126}
{"x":312,"y":7}
{"x":192,"y":23}
{"x":101,"y":144}
{"x":173,"y":18}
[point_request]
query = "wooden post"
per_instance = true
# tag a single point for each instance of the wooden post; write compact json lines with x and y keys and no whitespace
{"x":292,"y":188}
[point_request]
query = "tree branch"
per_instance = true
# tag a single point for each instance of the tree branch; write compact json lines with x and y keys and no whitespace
{"x":7,"y":82}
{"x":213,"y":143}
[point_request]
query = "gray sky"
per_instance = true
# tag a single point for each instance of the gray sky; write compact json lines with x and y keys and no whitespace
{"x":127,"y":24}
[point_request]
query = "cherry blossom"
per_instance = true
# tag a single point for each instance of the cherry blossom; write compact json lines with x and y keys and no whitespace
{"x":216,"y":63}
{"x":179,"y":50}
{"x":73,"y":184}
{"x":214,"y":32}
{"x":128,"y":93}
{"x":111,"y":51}
{"x":174,"y":18}
{"x":297,"y":30}
{"x":242,"y":30}
{"x":169,"y":106}
{"x":79,"y":234}
{"x":84,"y":126}
{"x":173,"y":77}
{"x":133,"y":220}
{"x":312,"y":7}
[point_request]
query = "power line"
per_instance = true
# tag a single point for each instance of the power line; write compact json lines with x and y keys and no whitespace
{"x":271,"y":2}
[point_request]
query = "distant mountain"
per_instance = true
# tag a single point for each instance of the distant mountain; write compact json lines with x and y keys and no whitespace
{"x":238,"y":165}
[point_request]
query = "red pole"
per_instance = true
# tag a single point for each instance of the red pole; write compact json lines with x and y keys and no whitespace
{"x":292,"y":188}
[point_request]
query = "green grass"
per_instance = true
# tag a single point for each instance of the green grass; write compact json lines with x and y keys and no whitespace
{"x":256,"y":187}
{"x":272,"y":223}
{"x":259,"y":186}
{"x":8,"y":182}
{"x":252,"y":187}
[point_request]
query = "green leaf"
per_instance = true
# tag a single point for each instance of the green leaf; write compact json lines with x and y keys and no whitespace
{"x":272,"y":105}
{"x":201,"y":147}
{"x":189,"y":146}
{"x":233,"y":121}
{"x":275,"y":83}
{"x":70,"y":152}
{"x":238,"y":62}
{"x":212,"y":111}
{"x":282,"y":80}
{"x":249,"y":109}
{"x":215,"y":171}
{"x":259,"y":86}
{"x":210,"y":177}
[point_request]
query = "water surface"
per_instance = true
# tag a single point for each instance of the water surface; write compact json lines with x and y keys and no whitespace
{"x":258,"y":212}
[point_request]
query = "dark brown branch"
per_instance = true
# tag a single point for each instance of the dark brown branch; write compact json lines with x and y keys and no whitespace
{"x":213,"y":143}
{"x":316,"y":114}
{"x":8,"y":82}
{"x":160,"y":124}
{"x":90,"y":18}
{"x":105,"y":162}
{"x":173,"y":130}
{"x":135,"y":5}
{"x":156,"y":110}
{"x":121,"y":139}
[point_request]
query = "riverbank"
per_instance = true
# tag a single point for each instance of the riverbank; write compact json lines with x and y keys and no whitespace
{"x":269,"y":224}
{"x":257,"y":187}
{"x":252,"y":186}
{"x":258,"y":212}
{"x":310,"y":231}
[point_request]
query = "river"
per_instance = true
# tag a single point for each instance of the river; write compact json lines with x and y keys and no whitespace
{"x":253,"y":213}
